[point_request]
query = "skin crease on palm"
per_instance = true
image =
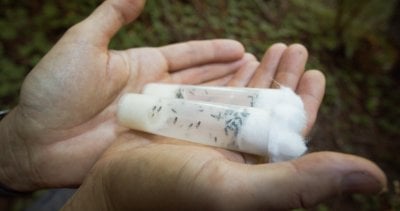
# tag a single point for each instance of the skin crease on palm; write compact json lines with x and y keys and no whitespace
{"x":65,"y":122}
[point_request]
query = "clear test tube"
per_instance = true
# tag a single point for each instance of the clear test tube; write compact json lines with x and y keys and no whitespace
{"x":239,"y":128}
{"x":283,"y":101}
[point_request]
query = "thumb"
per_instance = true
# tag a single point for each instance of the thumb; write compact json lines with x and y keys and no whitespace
{"x":311,"y":179}
{"x":106,"y":20}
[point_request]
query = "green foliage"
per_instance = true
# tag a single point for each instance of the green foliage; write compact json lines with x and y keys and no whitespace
{"x":28,"y":30}
{"x":346,"y":39}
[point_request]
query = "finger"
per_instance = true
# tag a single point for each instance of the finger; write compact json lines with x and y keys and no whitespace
{"x":106,"y":20}
{"x":193,"y":53}
{"x":219,"y":82}
{"x":244,"y":75}
{"x":269,"y":64}
{"x":205,"y":73}
{"x":304,"y":182}
{"x":311,"y":89}
{"x":291,"y":66}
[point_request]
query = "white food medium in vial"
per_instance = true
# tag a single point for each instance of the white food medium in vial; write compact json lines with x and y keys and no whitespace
{"x":286,"y":111}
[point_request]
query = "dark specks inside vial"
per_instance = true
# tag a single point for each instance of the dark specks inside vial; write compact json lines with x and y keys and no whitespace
{"x":217,"y":117}
{"x":179,"y":93}
{"x":198,"y":124}
{"x":234,"y":121}
{"x":201,"y":109}
{"x":191,"y":91}
{"x":252,"y":99}
{"x":155,"y":110}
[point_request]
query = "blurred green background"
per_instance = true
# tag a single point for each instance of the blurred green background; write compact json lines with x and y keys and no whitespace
{"x":355,"y":43}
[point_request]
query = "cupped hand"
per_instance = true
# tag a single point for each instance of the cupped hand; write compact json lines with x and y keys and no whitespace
{"x":146,"y":172}
{"x":66,"y":118}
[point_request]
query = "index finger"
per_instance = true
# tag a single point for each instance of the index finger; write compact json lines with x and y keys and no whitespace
{"x":193,"y":53}
{"x":291,"y":66}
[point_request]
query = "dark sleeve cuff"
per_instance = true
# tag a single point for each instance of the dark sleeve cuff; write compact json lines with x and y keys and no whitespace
{"x":6,"y":192}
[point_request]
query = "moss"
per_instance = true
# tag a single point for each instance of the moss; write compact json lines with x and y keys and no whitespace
{"x":347,"y":40}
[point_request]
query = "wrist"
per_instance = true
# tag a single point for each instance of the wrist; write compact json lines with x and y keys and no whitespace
{"x":91,"y":195}
{"x":14,"y":158}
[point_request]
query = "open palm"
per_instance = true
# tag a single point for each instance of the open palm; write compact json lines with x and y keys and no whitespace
{"x":66,"y":115}
{"x":147,"y":172}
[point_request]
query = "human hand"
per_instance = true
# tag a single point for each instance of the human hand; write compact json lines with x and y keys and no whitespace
{"x":159,"y":173}
{"x":66,"y":114}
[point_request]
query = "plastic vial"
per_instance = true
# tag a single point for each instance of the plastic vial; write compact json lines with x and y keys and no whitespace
{"x":238,"y":128}
{"x":283,"y":101}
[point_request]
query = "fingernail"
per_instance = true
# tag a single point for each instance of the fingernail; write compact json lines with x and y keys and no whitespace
{"x":361,"y":182}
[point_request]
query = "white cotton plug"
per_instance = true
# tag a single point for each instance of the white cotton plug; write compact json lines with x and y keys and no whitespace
{"x":289,"y":116}
{"x":278,"y":132}
{"x":285,"y":144}
{"x":254,"y":135}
